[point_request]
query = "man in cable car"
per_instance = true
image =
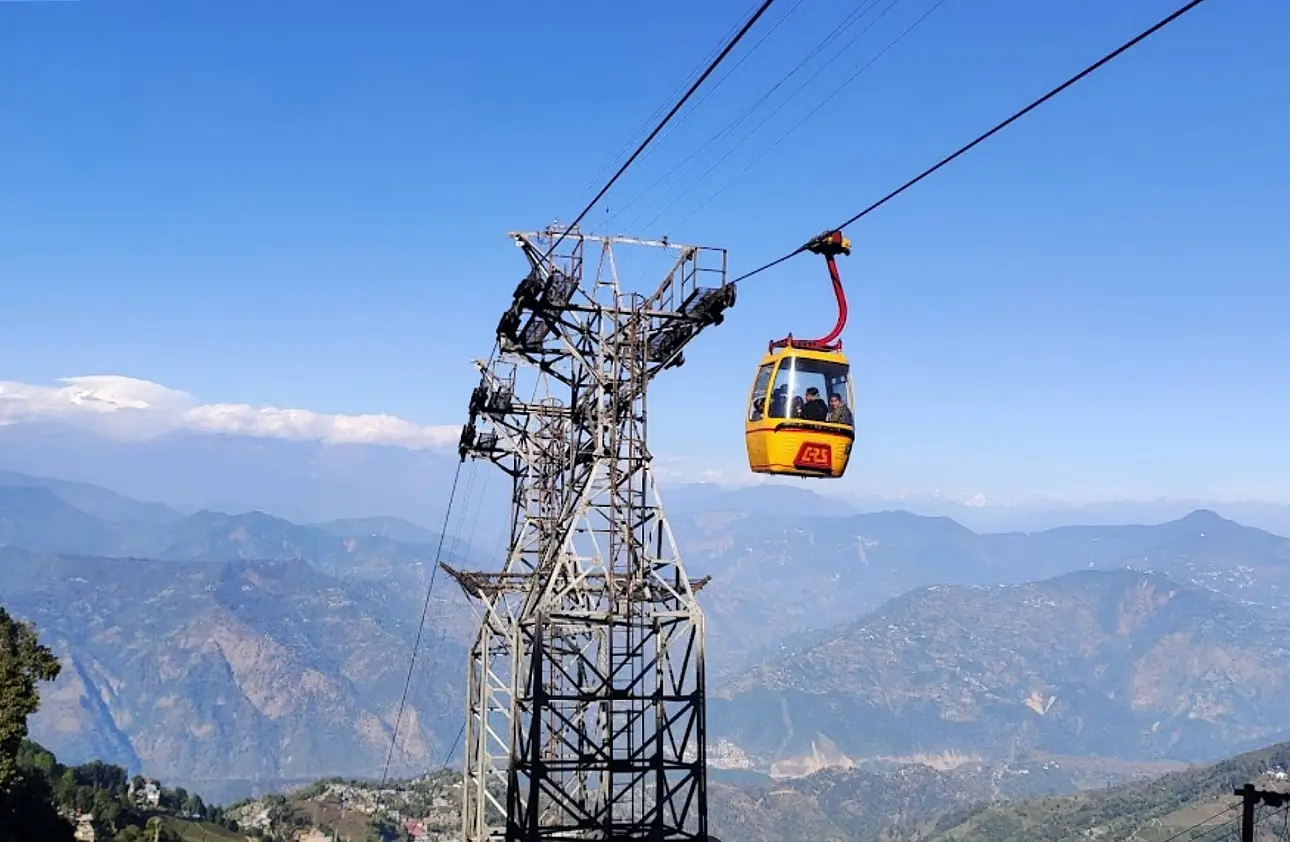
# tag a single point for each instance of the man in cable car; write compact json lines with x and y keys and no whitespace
{"x":839,"y":413}
{"x":814,"y":408}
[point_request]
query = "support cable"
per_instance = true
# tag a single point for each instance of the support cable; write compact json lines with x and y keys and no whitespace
{"x":730,"y":45}
{"x":1118,"y":51}
{"x":1198,"y":825}
{"x":1219,"y":832}
{"x":715,"y":85}
{"x":453,"y":553}
{"x":716,"y":139}
{"x":407,"y":684}
{"x":1284,"y":810}
{"x":453,"y":748}
{"x":800,"y":122}
{"x":591,"y":182}
{"x":714,"y":143}
{"x":461,"y":731}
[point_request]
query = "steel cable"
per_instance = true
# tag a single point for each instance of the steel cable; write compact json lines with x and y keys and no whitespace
{"x":1118,"y":51}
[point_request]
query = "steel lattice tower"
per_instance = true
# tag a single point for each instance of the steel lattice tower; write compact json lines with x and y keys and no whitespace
{"x":586,"y":697}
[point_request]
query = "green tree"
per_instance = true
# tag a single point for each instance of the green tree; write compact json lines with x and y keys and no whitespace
{"x":26,"y":800}
{"x":39,"y":759}
{"x":29,"y":814}
{"x":100,"y":775}
{"x":193,"y":804}
{"x":66,"y":788}
{"x":84,"y":801}
{"x":23,"y":662}
{"x":106,"y":807}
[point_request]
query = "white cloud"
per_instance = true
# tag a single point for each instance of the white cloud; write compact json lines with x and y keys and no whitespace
{"x":131,"y":408}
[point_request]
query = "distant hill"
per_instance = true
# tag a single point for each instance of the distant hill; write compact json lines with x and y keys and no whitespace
{"x":303,"y":481}
{"x":777,"y":576}
{"x":394,"y":528}
{"x":845,"y":806}
{"x":36,"y":515}
{"x":829,"y":806}
{"x":221,"y":676}
{"x":1109,"y":663}
{"x":43,"y":519}
{"x":94,"y":500}
{"x":1150,"y":811}
{"x":1019,"y":802}
{"x":37,"y":518}
{"x":313,"y":482}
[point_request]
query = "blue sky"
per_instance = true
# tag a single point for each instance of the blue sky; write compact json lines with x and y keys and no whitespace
{"x":305,"y":204}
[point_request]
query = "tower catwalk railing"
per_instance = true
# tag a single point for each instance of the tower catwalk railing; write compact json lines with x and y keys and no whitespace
{"x":586,"y":696}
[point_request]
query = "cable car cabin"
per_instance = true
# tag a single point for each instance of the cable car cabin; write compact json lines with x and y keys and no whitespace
{"x":799,"y":413}
{"x":800,"y":421}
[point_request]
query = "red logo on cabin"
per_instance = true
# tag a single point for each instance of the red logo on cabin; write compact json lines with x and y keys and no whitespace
{"x":814,"y":456}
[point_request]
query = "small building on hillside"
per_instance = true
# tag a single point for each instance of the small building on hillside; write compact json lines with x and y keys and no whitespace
{"x":417,"y":830}
{"x":313,"y":835}
{"x":86,"y":829}
{"x":148,"y":796}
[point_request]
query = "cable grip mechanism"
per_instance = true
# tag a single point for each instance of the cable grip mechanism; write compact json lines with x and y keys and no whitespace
{"x":829,"y":245}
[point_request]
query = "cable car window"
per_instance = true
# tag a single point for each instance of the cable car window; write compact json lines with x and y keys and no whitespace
{"x":813,"y":390}
{"x":757,"y":406}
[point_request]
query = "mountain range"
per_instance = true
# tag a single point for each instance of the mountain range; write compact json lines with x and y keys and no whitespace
{"x":232,"y":652}
{"x":1111,"y":663}
{"x":300,"y":480}
{"x":784,"y":576}
{"x":226,"y":675}
{"x":312,"y":482}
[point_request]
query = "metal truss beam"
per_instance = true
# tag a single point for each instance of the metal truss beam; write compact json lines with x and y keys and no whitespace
{"x":586,"y":696}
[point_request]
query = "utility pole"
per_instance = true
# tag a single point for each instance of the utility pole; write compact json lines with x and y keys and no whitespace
{"x":585,"y":712}
{"x":1251,"y":797}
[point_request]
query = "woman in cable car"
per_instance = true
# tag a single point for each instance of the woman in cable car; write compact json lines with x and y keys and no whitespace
{"x":800,"y":421}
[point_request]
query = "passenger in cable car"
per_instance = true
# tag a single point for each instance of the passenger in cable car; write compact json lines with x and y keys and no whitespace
{"x":797,"y":406}
{"x":814,"y":409}
{"x":779,"y":401}
{"x":839,"y":412}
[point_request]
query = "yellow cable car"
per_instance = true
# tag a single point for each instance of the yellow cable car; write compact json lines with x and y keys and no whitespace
{"x":799,"y":420}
